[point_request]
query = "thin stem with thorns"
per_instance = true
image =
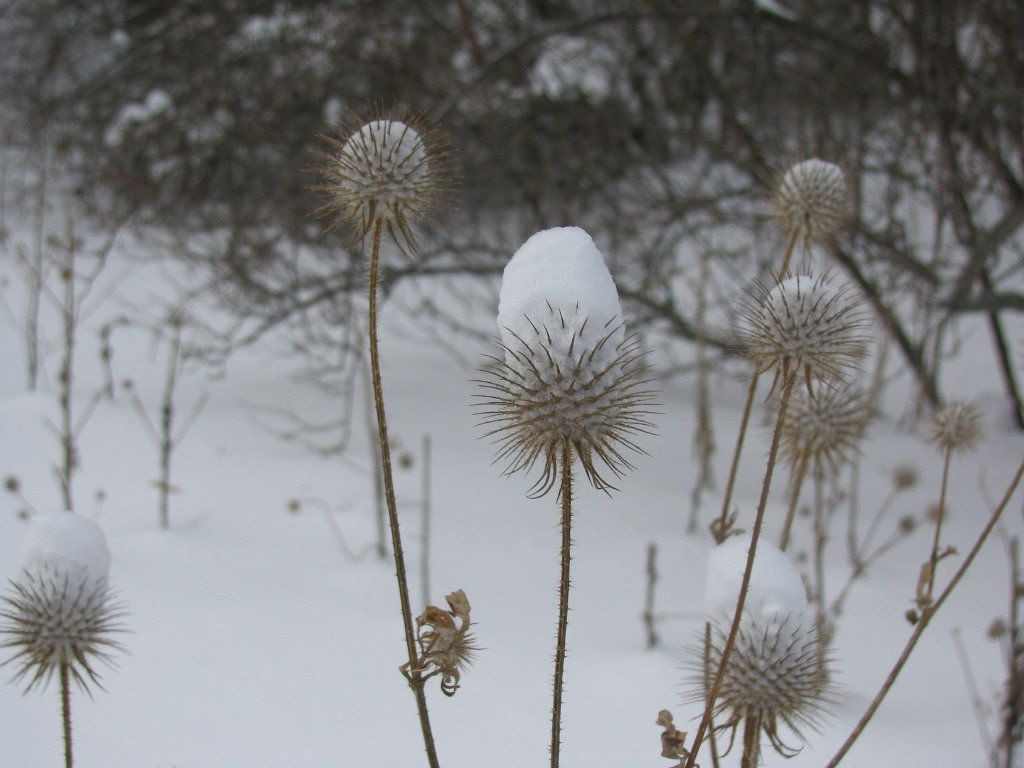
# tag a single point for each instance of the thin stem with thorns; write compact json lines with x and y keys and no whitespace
{"x":720,"y":527}
{"x":926,"y":617}
{"x":565,"y":494}
{"x":414,"y":676}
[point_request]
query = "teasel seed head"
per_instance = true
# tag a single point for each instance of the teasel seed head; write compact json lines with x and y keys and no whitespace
{"x":391,"y":171}
{"x":570,"y":376}
{"x":777,"y":673}
{"x":54,"y":619}
{"x":804,"y":326}
{"x":812,"y":201}
{"x":956,"y":427}
{"x":824,"y":425}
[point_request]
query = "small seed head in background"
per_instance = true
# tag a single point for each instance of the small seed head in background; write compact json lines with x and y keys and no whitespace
{"x":804,"y":326}
{"x":824,"y":425}
{"x":904,"y":477}
{"x":388,"y":171}
{"x":812,"y":201}
{"x":956,"y":427}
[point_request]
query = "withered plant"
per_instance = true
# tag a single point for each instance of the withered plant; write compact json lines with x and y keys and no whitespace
{"x":571,"y":387}
{"x":382,"y":177}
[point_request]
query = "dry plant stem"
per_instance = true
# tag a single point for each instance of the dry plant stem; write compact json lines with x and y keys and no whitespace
{"x":926,"y":617}
{"x":65,"y":711}
{"x":751,"y":742}
{"x":941,"y":513}
{"x":755,"y":534}
{"x":794,"y":498}
{"x":731,"y":482}
{"x":790,"y":246}
{"x":565,"y":493}
{"x":416,"y":681}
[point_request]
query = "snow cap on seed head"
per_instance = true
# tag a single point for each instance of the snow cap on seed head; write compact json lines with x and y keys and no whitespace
{"x":570,"y":378}
{"x":778,"y":669}
{"x":60,"y":614}
{"x":804,"y":326}
{"x":812,"y":201}
{"x":67,"y":543}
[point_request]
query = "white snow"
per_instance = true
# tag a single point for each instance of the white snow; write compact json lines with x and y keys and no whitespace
{"x":155,"y":104}
{"x":66,"y":543}
{"x":776,"y":590}
{"x":256,"y":643}
{"x":556,"y":270}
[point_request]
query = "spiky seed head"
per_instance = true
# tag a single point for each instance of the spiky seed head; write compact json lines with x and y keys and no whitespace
{"x":956,"y":427}
{"x":824,"y":425}
{"x":904,"y":476}
{"x":52,"y":619}
{"x":570,"y":378}
{"x":389,"y":171}
{"x":804,"y":326}
{"x":777,"y":672}
{"x":812,"y":201}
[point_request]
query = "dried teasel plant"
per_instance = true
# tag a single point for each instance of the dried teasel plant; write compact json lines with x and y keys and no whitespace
{"x":776,"y":675}
{"x":804,"y":326}
{"x":60,"y":617}
{"x":812,"y":200}
{"x":823,"y":427}
{"x":955,"y":428}
{"x":777,"y":670}
{"x":386,"y":173}
{"x":446,"y":648}
{"x":382,"y":176}
{"x":570,"y":387}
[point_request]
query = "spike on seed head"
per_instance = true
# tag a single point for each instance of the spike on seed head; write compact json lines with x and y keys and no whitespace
{"x":812,"y":200}
{"x":390,"y":171}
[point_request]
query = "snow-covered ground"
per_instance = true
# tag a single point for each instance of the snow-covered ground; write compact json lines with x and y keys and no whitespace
{"x":256,"y":643}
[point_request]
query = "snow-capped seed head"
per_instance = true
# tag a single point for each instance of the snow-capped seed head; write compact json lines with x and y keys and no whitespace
{"x":61,"y":612}
{"x":386,"y":172}
{"x":804,"y":326}
{"x":824,"y":425}
{"x":813,"y":200}
{"x":570,"y":379}
{"x":777,"y":670}
{"x":956,"y":427}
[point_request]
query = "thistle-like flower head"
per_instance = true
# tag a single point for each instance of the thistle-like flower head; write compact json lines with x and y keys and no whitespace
{"x":956,"y":427}
{"x":824,"y":425}
{"x":778,"y":668}
{"x":386,"y":172}
{"x":61,"y":613}
{"x":812,"y":201}
{"x":804,"y":326}
{"x":570,"y":378}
